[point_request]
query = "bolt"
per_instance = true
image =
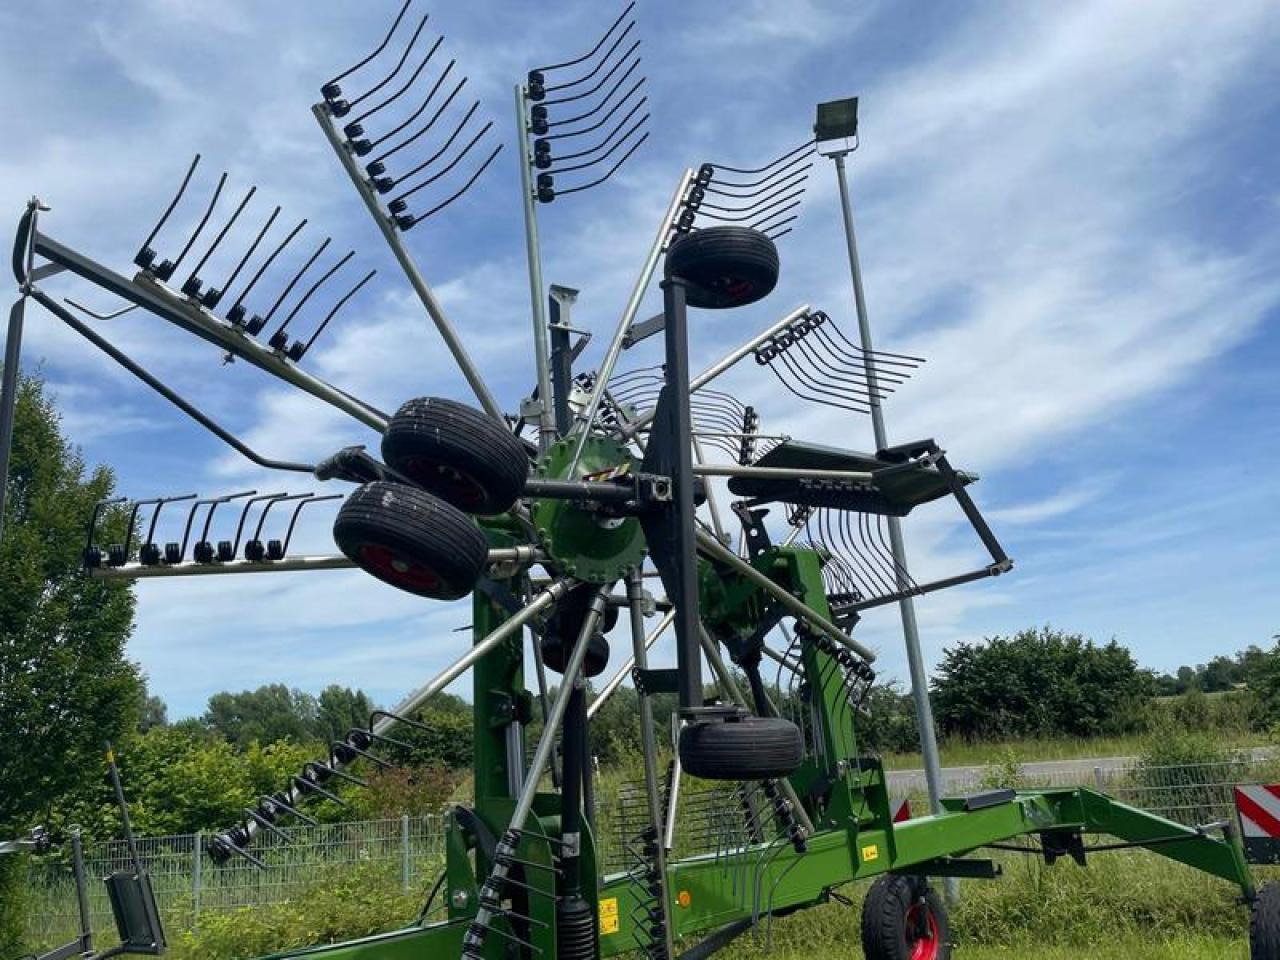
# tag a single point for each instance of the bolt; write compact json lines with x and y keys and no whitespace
{"x":460,"y":898}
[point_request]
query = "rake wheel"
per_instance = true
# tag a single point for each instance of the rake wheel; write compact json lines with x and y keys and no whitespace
{"x":1264,"y":924}
{"x":458,"y":453}
{"x":412,"y":540}
{"x":725,"y":267}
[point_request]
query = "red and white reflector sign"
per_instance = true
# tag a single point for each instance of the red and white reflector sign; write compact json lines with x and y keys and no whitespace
{"x":1258,"y":805}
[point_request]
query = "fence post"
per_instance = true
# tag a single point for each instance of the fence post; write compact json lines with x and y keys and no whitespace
{"x":197,"y":848}
{"x":406,"y":864}
{"x":1097,"y":777}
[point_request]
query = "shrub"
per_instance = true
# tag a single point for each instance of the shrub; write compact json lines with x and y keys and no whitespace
{"x":1187,"y":774}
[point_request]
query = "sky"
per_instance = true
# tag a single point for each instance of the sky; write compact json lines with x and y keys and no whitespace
{"x":1071,"y":210}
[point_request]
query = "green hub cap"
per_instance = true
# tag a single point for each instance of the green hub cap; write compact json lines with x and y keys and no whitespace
{"x":586,"y":545}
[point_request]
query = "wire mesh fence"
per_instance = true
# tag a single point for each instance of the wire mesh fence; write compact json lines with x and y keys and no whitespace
{"x":411,"y":849}
{"x":188,"y":884}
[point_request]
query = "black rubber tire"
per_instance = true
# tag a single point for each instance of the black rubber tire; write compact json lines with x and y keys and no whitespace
{"x":412,"y":540}
{"x":750,"y":748}
{"x":563,"y":626}
{"x":725,"y":266}
{"x":1264,"y":923}
{"x":889,"y":927}
{"x":460,"y":454}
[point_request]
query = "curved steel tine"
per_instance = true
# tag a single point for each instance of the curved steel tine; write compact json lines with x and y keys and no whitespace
{"x":599,"y":66}
{"x":775,"y":237}
{"x":244,"y":515}
{"x":759,"y":197}
{"x":262,"y":517}
{"x":235,"y":215}
{"x":767,"y":223}
{"x":266,"y":263}
{"x":99,"y":316}
{"x":208,"y":520}
{"x":635,"y":107}
{"x":371,"y":757}
{"x":447,"y":144}
{"x":887,"y":549}
{"x":191,"y":516}
{"x":404,"y":124}
{"x":377,"y":50}
{"x":843,"y":370}
{"x":599,"y":123}
{"x":289,"y":809}
{"x":405,"y":86}
{"x":903,"y":358}
{"x":381,"y":158}
{"x":587,"y":93}
{"x":312,"y":289}
{"x":298,"y":276}
{"x":336,"y":307}
{"x":893,"y":375}
{"x":303,"y":784}
{"x":164,"y":217}
{"x":608,"y":153}
{"x":155,"y":514}
{"x":452,"y":163}
{"x":592,"y":52}
{"x":266,"y":824}
{"x":248,"y":253}
{"x":298,"y":509}
{"x":807,"y":145}
{"x":418,"y":218}
{"x":755,"y":213}
{"x":213,"y":202}
{"x":93,"y":518}
{"x":854,"y":381}
{"x":399,"y":63}
{"x":801,"y":164}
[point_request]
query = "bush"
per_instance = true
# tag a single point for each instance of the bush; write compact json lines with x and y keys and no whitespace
{"x":13,"y":874}
{"x":1188,"y":774}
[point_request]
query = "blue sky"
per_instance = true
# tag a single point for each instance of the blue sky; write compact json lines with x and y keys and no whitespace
{"x":1073,"y":210}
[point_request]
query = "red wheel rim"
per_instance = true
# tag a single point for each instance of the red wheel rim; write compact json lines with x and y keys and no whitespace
{"x":463,"y":491}
{"x":394,"y":568}
{"x":926,"y":947}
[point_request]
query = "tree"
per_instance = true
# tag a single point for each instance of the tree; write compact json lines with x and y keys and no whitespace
{"x":270,"y":713}
{"x":65,"y":685}
{"x":152,"y":711}
{"x":338,"y":709}
{"x":1039,"y":683}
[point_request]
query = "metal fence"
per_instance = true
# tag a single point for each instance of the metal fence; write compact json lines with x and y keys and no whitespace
{"x":411,"y":849}
{"x":187,"y":884}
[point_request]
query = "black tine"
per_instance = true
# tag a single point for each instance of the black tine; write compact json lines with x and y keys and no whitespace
{"x":235,"y":215}
{"x":298,"y":276}
{"x":603,"y":143}
{"x":607,"y":153}
{"x":293,"y":521}
{"x":448,"y":144}
{"x":603,"y":80}
{"x":249,"y":253}
{"x":894,"y":376}
{"x":876,"y":353}
{"x":244,"y":515}
{"x":718,"y":187}
{"x":407,"y":84}
{"x":399,"y":63}
{"x":794,"y":165}
{"x":267,"y":263}
{"x":612,"y":170}
{"x":403,"y":125}
{"x":804,"y":147}
{"x":451,"y":164}
{"x":724,"y":218}
{"x":336,"y":307}
{"x":427,"y":126}
{"x":271,"y":502}
{"x":289,"y":809}
{"x":382,"y":46}
{"x":464,"y":188}
{"x":603,"y":60}
{"x":266,"y":824}
{"x":208,"y":520}
{"x":592,"y":52}
{"x":757,"y":204}
{"x":313,"y":288}
{"x":599,"y":123}
{"x":767,"y":223}
{"x":204,"y":220}
{"x":164,"y":217}
{"x":775,"y":237}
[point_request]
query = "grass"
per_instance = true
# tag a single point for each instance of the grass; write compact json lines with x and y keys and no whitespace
{"x":964,"y":754}
{"x":1177,"y":948}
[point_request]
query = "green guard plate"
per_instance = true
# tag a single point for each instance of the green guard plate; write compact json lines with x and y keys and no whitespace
{"x":583,"y":544}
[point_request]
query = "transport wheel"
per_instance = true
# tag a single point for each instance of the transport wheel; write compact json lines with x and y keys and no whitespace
{"x":562,"y":629}
{"x":903,"y":919}
{"x":458,"y":453}
{"x":1264,"y":924}
{"x":412,"y":540}
{"x":725,"y":266}
{"x":745,"y":748}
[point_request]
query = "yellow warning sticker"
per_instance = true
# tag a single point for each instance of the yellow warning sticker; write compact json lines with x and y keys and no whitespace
{"x":870,"y":852}
{"x":609,"y":916}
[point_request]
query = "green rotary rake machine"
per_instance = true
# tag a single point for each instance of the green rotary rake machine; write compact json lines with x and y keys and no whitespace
{"x":594,"y":509}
